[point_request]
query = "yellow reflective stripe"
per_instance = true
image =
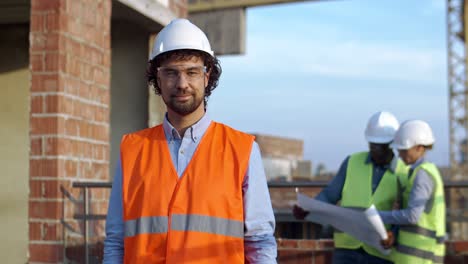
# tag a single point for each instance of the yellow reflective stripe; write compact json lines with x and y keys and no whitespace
{"x":207,"y":224}
{"x":146,"y":225}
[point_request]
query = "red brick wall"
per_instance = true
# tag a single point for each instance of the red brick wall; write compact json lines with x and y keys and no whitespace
{"x":304,"y":251}
{"x":69,"y":120}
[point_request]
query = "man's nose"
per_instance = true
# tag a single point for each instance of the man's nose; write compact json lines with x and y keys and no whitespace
{"x":182,"y":80}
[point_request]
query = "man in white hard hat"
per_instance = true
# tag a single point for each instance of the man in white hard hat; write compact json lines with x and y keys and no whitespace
{"x":421,"y":234}
{"x":365,"y":178}
{"x":189,"y":190}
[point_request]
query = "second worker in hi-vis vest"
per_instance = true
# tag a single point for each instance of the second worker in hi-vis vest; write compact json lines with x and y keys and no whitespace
{"x":421,"y":234}
{"x":365,"y":178}
{"x":189,"y":190}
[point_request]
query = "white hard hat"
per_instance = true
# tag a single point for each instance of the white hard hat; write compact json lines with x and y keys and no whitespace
{"x":180,"y":34}
{"x":413,"y":133}
{"x":381,"y":128}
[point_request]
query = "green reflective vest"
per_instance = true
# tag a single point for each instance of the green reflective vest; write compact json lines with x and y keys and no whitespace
{"x":357,"y":193}
{"x":424,"y":242}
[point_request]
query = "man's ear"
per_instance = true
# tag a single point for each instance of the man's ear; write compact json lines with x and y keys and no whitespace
{"x":207,"y":78}
{"x":421,"y":149}
{"x":158,"y":81}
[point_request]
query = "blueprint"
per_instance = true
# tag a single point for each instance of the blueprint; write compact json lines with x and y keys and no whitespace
{"x":366,"y":226}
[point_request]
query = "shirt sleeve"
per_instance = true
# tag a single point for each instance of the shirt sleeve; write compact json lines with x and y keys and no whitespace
{"x":332,"y":192}
{"x":114,"y":241}
{"x":420,"y":194}
{"x":259,"y":222}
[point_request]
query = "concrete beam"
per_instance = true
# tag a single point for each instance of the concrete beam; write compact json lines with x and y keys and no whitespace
{"x":226,"y":29}
{"x":209,"y":5}
{"x":152,"y":14}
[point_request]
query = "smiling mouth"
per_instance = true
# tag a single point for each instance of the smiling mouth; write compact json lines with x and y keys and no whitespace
{"x":182,"y":97}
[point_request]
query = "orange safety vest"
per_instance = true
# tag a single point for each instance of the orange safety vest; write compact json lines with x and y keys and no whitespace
{"x":197,"y":218}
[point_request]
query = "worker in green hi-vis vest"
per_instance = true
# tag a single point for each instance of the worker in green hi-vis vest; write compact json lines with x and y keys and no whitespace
{"x":376,"y":177}
{"x":421,"y":235}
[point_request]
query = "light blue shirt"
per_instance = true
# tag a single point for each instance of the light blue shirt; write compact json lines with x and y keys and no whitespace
{"x":259,"y":222}
{"x":420,"y":194}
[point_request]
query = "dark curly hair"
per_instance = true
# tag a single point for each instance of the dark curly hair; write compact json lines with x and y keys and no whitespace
{"x":210,"y":62}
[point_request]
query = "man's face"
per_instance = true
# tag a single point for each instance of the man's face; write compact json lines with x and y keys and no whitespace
{"x":182,"y":84}
{"x":410,"y":156}
{"x":381,"y":154}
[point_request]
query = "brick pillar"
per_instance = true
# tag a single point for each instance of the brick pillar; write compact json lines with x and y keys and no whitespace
{"x":69,"y":116}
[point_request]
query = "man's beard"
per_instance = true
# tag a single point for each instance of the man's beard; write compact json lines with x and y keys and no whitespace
{"x":382,"y":158}
{"x":184,"y":108}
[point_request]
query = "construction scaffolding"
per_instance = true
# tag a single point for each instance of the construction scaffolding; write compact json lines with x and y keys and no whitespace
{"x":458,"y":108}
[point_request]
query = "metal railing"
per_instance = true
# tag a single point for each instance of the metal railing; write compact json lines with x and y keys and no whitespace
{"x":86,"y":216}
{"x":86,"y":186}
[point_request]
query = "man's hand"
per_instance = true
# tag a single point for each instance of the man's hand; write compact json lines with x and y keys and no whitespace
{"x":299,"y":213}
{"x":388,"y":243}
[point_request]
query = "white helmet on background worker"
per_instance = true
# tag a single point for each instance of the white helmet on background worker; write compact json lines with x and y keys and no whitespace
{"x":180,"y":34}
{"x":381,"y":128}
{"x":413,"y":133}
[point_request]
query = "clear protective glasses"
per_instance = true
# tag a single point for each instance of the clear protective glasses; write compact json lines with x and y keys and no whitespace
{"x":173,"y":73}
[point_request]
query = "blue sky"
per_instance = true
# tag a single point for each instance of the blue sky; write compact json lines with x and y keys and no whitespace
{"x":318,"y":70}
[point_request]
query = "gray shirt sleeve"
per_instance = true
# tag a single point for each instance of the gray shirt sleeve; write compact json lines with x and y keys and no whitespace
{"x":332,"y":193}
{"x":419,"y":198}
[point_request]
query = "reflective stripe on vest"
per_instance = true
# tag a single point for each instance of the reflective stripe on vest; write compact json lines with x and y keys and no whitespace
{"x":424,"y":254}
{"x":197,"y":223}
{"x":213,"y":225}
{"x":146,"y":225}
{"x":418,"y":242}
{"x":197,"y":217}
{"x":357,"y":194}
{"x":423,"y":231}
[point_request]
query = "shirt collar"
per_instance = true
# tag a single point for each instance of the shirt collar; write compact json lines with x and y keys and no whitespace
{"x":195,"y":132}
{"x":418,"y":162}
